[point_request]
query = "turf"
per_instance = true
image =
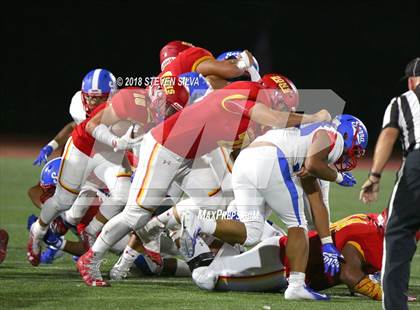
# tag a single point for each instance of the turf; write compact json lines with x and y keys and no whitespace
{"x":58,"y":286}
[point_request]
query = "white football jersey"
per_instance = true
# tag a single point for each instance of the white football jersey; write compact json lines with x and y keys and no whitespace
{"x":294,"y":142}
{"x":77,"y":110}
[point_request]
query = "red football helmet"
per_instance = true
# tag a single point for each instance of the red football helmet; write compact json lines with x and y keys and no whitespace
{"x":285,"y":95}
{"x":171,"y":50}
{"x":167,"y":97}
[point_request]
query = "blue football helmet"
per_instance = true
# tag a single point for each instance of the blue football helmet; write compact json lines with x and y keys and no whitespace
{"x":196,"y":85}
{"x":49,"y":173}
{"x":97,"y":85}
{"x":355,"y":138}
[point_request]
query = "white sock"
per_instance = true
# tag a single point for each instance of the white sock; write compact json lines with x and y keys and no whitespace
{"x":100,"y":247}
{"x":208,"y":226}
{"x":182,"y":269}
{"x":38,"y":231}
{"x":296,"y":279}
{"x":94,"y":227}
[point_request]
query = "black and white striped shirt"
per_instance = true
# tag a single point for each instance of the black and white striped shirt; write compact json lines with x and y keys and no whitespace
{"x":403,"y":113}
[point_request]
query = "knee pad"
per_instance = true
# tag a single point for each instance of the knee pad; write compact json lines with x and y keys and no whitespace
{"x":254,"y":231}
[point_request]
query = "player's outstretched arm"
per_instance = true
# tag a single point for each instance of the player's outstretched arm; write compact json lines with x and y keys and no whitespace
{"x":330,"y":254}
{"x":353,"y":275}
{"x":263,"y":115}
{"x":383,"y":149}
{"x":319,"y":211}
{"x":59,"y":140}
{"x":98,"y":128}
{"x":226,"y":69}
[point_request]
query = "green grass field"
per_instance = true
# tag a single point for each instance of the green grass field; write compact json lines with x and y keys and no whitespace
{"x":59,"y":286}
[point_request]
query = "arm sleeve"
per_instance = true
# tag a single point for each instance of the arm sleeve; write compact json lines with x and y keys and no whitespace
{"x":391,"y":115}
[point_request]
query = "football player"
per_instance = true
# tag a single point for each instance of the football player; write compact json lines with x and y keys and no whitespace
{"x":226,"y":117}
{"x":358,"y":237}
{"x":82,"y":156}
{"x":263,"y":179}
{"x":217,"y":198}
{"x":97,"y":86}
{"x":178,"y":57}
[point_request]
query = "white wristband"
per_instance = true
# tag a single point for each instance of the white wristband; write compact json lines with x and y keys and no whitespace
{"x":339,"y":178}
{"x":53,"y":144}
{"x":102,"y":134}
{"x":326,"y":240}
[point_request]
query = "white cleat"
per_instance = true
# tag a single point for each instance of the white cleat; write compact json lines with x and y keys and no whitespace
{"x":189,"y":233}
{"x":120,"y":270}
{"x":303,"y":292}
{"x":205,"y":278}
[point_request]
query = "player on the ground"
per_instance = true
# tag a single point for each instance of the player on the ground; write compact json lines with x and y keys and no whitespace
{"x":97,"y":86}
{"x":358,"y":237}
{"x":264,"y":179}
{"x":224,"y":117}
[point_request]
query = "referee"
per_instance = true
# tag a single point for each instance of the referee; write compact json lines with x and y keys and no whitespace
{"x":401,"y":120}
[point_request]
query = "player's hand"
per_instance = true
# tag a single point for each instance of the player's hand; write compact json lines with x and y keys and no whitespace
{"x":332,"y":259}
{"x":345,"y":179}
{"x":322,"y":116}
{"x":126,"y":141}
{"x":245,"y":60}
{"x":303,"y":173}
{"x":369,"y":192}
{"x":43,"y":155}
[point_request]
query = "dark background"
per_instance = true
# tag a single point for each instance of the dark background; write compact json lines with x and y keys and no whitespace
{"x":357,"y":48}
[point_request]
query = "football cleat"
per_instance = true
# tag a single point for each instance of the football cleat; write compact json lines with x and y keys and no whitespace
{"x":33,"y":253}
{"x":4,"y":239}
{"x":120,"y":270}
{"x":205,"y":278}
{"x":189,"y":233}
{"x":89,"y":268}
{"x":303,"y":292}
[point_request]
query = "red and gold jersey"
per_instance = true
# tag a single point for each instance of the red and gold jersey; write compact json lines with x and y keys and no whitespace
{"x":131,"y":103}
{"x":128,"y":104}
{"x":186,"y":61}
{"x":83,"y":140}
{"x":359,"y":230}
{"x":222,"y":118}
